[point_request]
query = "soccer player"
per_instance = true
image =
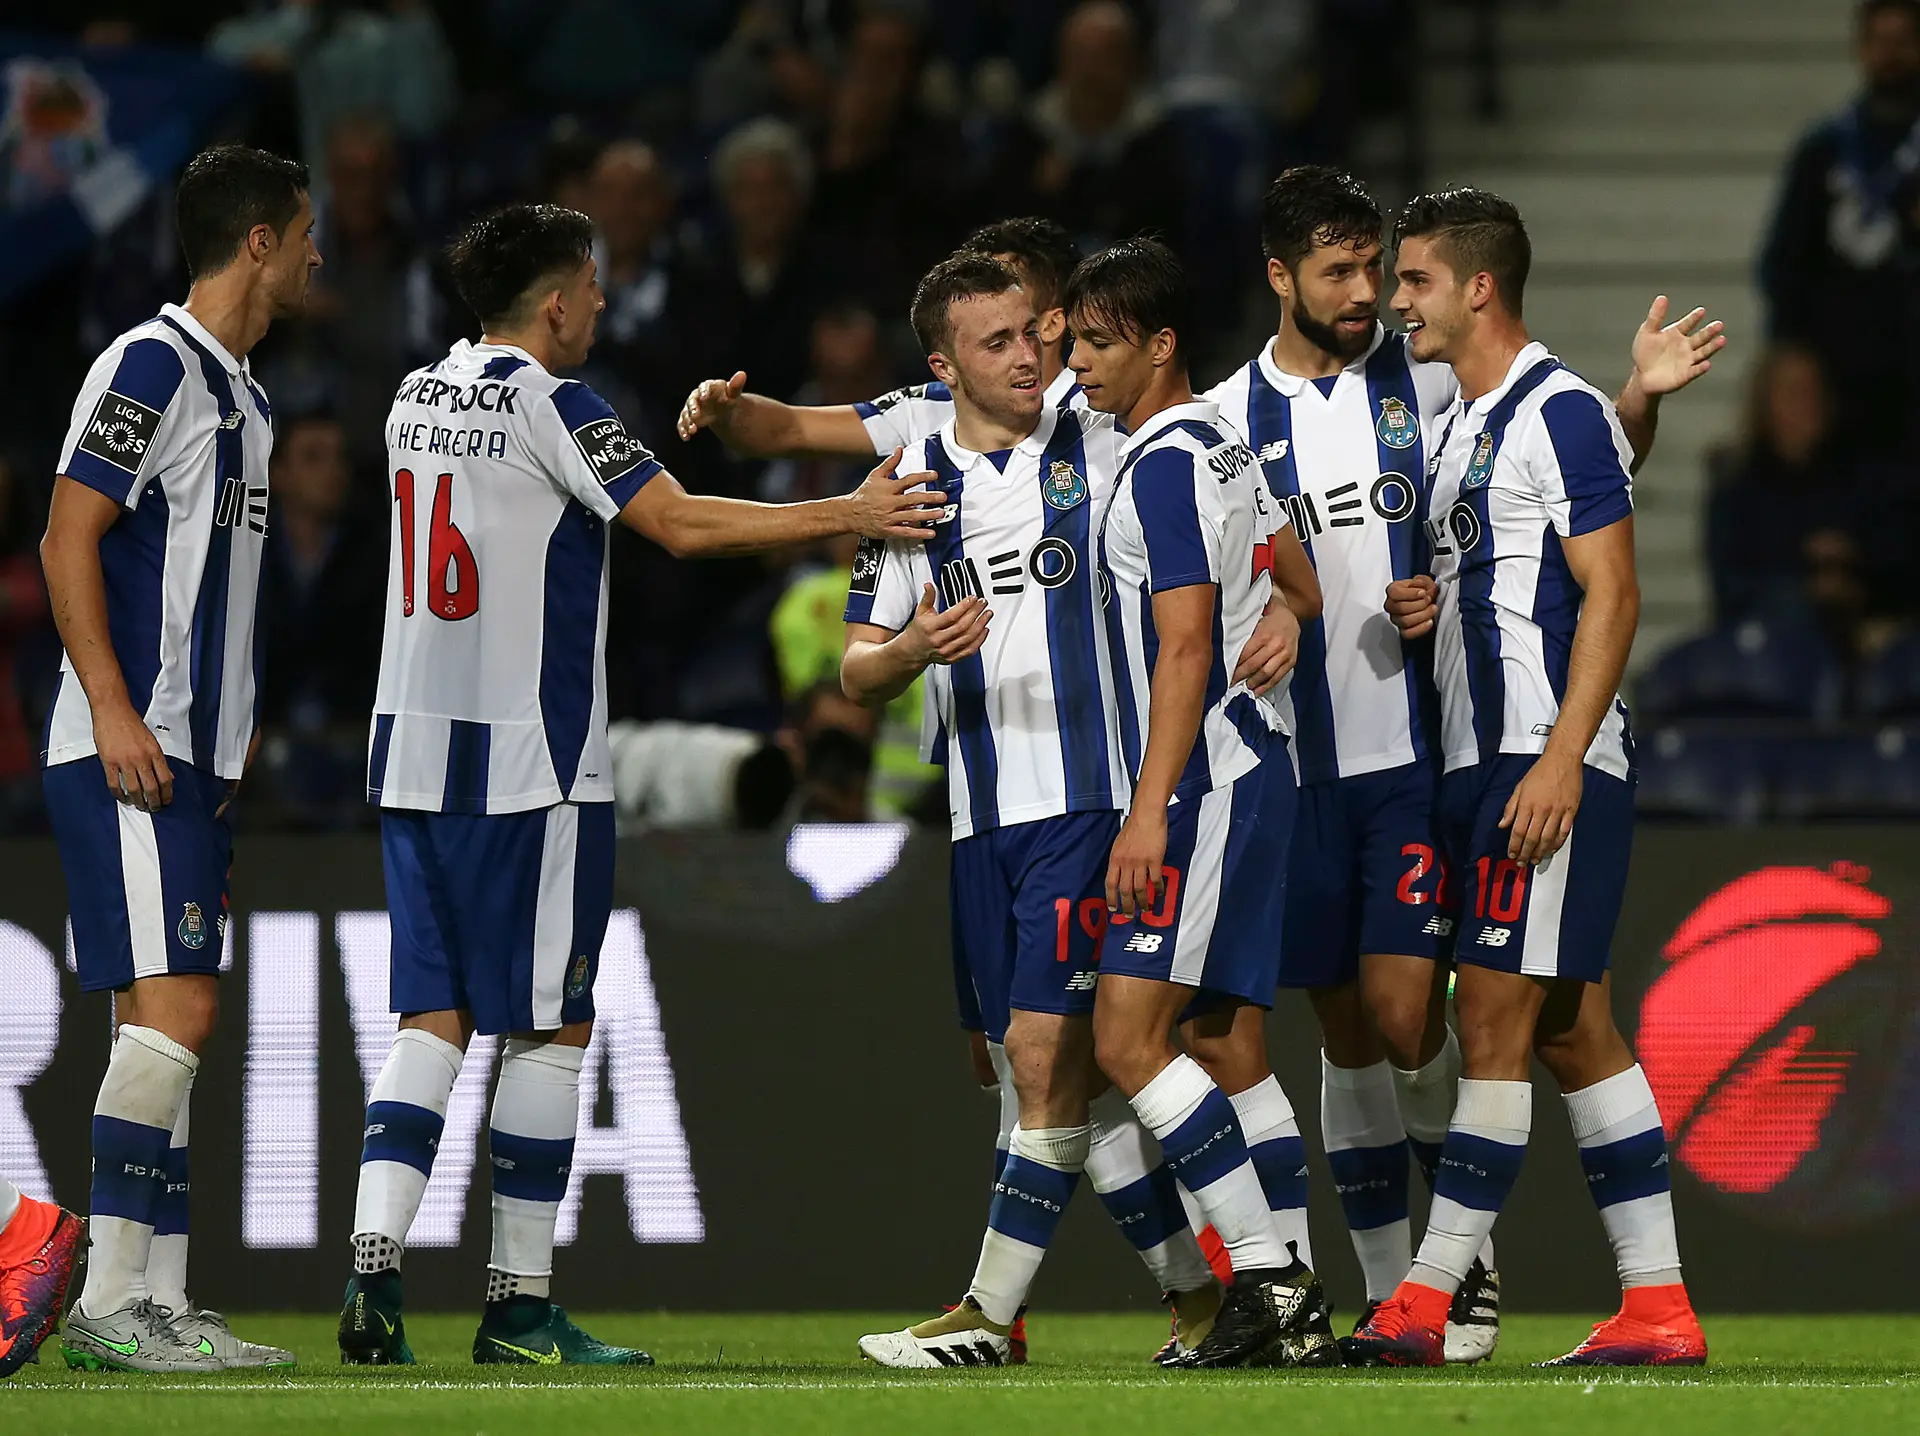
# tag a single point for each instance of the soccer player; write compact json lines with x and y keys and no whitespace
{"x":39,"y":1246}
{"x":1027,"y":718}
{"x":1532,"y":602}
{"x":1194,"y":549}
{"x":1039,"y":251}
{"x":152,"y":556}
{"x":489,"y":756}
{"x":1333,"y":406}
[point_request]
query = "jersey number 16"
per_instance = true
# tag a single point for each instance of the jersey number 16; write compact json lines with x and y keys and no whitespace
{"x":453,"y":578}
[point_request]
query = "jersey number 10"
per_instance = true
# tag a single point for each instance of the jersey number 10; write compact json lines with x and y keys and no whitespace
{"x":453,"y":578}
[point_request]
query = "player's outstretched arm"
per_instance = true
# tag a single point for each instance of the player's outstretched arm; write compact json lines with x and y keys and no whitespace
{"x":1666,"y":358}
{"x":878,"y":665}
{"x":1176,"y":702}
{"x":130,"y":757}
{"x":1539,"y":815}
{"x":703,"y":526}
{"x":764,"y":428}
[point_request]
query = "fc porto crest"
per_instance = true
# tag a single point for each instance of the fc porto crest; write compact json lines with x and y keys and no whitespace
{"x":1066,"y":486}
{"x":1481,"y":467}
{"x":193,"y":928}
{"x":1396,"y":425}
{"x":577,"y":982}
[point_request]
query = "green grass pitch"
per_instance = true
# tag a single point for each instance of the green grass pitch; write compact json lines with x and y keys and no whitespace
{"x":736,"y":1375}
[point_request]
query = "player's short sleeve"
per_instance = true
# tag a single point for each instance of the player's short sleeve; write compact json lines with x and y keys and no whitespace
{"x":115,"y":429}
{"x":905,"y":416}
{"x":1585,"y":464}
{"x":882,"y":590}
{"x":1183,"y":517}
{"x":597,"y":460}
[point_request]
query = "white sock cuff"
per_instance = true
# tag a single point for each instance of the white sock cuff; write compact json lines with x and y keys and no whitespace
{"x":1624,"y":1101}
{"x":1264,"y":1112}
{"x":1172,"y":1096}
{"x":183,"y":1124}
{"x":1443,"y":1069}
{"x":1490,"y":1109}
{"x":160,"y":1043}
{"x":1002,"y":1064}
{"x":1121,"y":1151}
{"x":1062,"y":1148}
{"x":543,"y":1061}
{"x":1359,"y":1107}
{"x":1376,"y":1078}
{"x":437,"y":1047}
{"x":1108,"y":1113}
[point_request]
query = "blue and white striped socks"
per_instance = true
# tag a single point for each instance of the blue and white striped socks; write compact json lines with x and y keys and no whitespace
{"x":1478,"y":1164}
{"x":1279,"y":1158}
{"x":536,"y":1116}
{"x":1042,"y":1169}
{"x":1205,"y":1148}
{"x":1624,"y":1152}
{"x":1367,"y":1149}
{"x":147,"y":1078}
{"x":1125,"y":1167}
{"x":405,"y":1116}
{"x":172,"y":1216}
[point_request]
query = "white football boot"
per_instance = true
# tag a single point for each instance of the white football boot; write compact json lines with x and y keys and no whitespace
{"x":961,"y":1337}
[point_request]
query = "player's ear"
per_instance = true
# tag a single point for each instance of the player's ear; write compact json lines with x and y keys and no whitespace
{"x":942,"y":369}
{"x":1162,"y":347}
{"x":1279,"y":280}
{"x":1053,"y":326}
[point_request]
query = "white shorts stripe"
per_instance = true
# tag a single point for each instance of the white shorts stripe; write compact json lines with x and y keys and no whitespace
{"x":1200,"y":902}
{"x":553,"y":915}
{"x":1540,"y":949}
{"x":146,"y":900}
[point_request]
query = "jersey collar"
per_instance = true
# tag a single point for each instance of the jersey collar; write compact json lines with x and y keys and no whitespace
{"x":463,"y":347}
{"x":1523,"y":361}
{"x":1034,"y":444}
{"x":1293,"y":385}
{"x":234,"y":367}
{"x":1203,"y":410}
{"x":1063,"y":384}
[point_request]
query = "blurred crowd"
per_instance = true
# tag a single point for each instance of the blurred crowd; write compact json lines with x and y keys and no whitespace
{"x":767,"y":178}
{"x":1803,"y":700}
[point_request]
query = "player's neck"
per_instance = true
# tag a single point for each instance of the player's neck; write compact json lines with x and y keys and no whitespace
{"x":1170,"y":386}
{"x":537,"y":343}
{"x":1483,"y":366}
{"x":981,"y":432}
{"x":231,"y":308}
{"x":1295,"y":354}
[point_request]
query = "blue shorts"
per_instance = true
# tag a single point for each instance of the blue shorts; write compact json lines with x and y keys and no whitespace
{"x":148,"y":891}
{"x":1218,"y":924}
{"x":1364,"y":876}
{"x":500,"y":916}
{"x":1029,"y":907}
{"x":1555,"y":919}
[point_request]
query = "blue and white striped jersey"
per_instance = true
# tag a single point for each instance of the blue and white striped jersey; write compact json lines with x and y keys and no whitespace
{"x":1190,"y":507}
{"x":493,"y":678}
{"x":1026,"y":726}
{"x":1539,"y":459}
{"x":172,"y":427}
{"x":1348,"y":466}
{"x":897,"y":419}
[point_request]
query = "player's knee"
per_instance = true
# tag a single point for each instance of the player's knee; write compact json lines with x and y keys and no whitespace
{"x":1584,"y":1052}
{"x":1403,"y":1020}
{"x":1344,"y":1029}
{"x":191,"y":1016}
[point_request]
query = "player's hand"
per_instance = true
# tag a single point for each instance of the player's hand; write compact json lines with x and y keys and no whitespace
{"x":1539,"y":815}
{"x":136,"y":769}
{"x":1271,"y":651}
{"x":882,"y":508}
{"x":947,"y":637}
{"x":710,"y":404}
{"x":1668,"y":357}
{"x":1134,"y":871}
{"x":1413,"y":604}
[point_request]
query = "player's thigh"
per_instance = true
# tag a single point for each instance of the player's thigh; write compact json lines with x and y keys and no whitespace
{"x":1319,"y":929}
{"x":1058,"y":872}
{"x":147,"y":891}
{"x":1229,"y":1039}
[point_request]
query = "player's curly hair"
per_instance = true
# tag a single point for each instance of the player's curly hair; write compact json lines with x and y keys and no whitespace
{"x":962,"y":275}
{"x":1042,"y":252}
{"x":1137,"y":288}
{"x":501,"y":258}
{"x":1476,"y":232}
{"x":1312,"y":205}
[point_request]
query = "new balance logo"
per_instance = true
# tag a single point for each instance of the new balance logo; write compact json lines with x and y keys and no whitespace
{"x":1494,"y":936}
{"x":1276,"y":450}
{"x":1144,"y":942}
{"x":1438,"y":927}
{"x":1083,"y":982}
